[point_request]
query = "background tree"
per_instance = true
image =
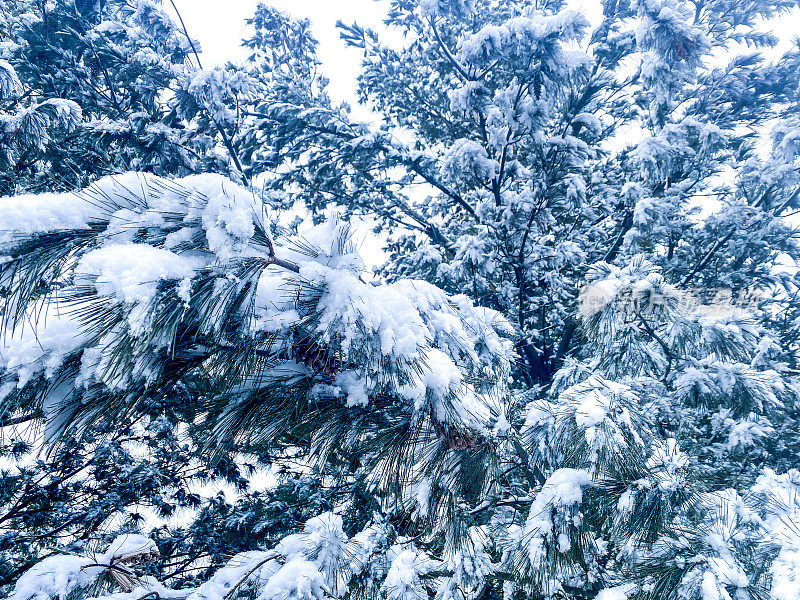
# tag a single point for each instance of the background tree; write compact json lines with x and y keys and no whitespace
{"x":519,"y":186}
{"x":143,"y":101}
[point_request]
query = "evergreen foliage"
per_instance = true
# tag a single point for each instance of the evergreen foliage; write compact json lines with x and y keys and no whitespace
{"x":575,"y":377}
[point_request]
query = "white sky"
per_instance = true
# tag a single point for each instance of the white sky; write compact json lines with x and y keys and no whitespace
{"x":220,"y":27}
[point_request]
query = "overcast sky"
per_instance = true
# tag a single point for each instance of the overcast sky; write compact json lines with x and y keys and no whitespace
{"x":220,"y":27}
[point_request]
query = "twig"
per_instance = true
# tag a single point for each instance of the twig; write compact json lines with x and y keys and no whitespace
{"x":225,"y":139}
{"x":448,"y":54}
{"x":272,"y":556}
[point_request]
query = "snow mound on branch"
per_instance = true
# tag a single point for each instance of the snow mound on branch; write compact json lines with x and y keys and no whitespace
{"x":9,"y":81}
{"x":322,"y":536}
{"x":28,"y":352}
{"x":519,"y":37}
{"x":467,"y":161}
{"x":55,"y":577}
{"x":596,"y":400}
{"x":403,"y":579}
{"x":298,"y":579}
{"x":221,"y":210}
{"x":43,"y":213}
{"x":410,"y":324}
{"x":782,"y":500}
{"x":259,"y":565}
{"x":552,"y":513}
{"x":128,"y":546}
{"x":563,"y":488}
{"x":596,"y":296}
{"x":131,"y":272}
{"x":668,"y":463}
{"x":349,"y":303}
{"x":620,"y":592}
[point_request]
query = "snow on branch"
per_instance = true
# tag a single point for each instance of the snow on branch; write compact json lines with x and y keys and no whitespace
{"x":119,"y":291}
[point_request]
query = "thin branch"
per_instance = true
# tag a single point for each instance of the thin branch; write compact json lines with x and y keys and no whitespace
{"x":225,"y":138}
{"x":701,"y":264}
{"x":272,"y":556}
{"x":448,"y":54}
{"x":414,"y":166}
{"x":21,"y":419}
{"x":627,"y":222}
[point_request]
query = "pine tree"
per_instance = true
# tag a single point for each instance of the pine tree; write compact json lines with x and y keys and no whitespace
{"x":519,"y":118}
{"x":618,"y":422}
{"x":282,"y":348}
{"x":107,"y":87}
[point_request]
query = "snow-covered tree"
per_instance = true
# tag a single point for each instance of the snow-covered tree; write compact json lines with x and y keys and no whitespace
{"x":621,"y":191}
{"x":575,"y":377}
{"x":93,"y":88}
{"x":149,"y":288}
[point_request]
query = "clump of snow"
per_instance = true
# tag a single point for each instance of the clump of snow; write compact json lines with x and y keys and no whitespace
{"x":409,"y":323}
{"x":519,"y":37}
{"x":43,"y":213}
{"x":28,"y":351}
{"x":668,"y":464}
{"x":598,"y":402}
{"x":748,"y":432}
{"x":593,"y":407}
{"x":365,"y":544}
{"x":588,"y":121}
{"x":469,"y":97}
{"x":326,"y":545}
{"x":467,"y":160}
{"x":131,"y":272}
{"x":349,"y":304}
{"x":441,"y":376}
{"x":9,"y":81}
{"x":403,"y":579}
{"x":781,"y":498}
{"x":228,"y":218}
{"x":128,"y":546}
{"x":55,"y":578}
{"x":298,"y":579}
{"x":354,"y":386}
{"x":597,"y":295}
{"x":255,"y":565}
{"x":322,"y":538}
{"x":538,"y":413}
{"x":620,"y":592}
{"x":552,"y":514}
